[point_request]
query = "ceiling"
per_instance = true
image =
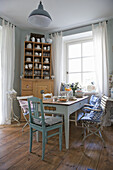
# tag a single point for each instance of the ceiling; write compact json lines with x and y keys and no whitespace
{"x":65,"y":14}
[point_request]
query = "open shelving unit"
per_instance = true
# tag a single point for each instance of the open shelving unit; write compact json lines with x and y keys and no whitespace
{"x":37,"y":60}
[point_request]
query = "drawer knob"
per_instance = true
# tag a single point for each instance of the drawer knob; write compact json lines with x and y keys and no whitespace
{"x":27,"y":86}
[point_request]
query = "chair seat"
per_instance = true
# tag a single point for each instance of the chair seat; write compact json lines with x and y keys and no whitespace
{"x":93,"y":116}
{"x":49,"y":120}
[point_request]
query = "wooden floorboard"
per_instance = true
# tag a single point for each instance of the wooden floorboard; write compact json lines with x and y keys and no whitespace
{"x":14,"y":151}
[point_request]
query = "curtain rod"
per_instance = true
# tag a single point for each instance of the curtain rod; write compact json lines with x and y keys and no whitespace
{"x":78,"y":27}
{"x":7,"y":21}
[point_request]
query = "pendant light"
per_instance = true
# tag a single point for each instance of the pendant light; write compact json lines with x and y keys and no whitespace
{"x":39,"y":17}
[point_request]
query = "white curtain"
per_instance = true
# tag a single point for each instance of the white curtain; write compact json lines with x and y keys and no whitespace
{"x":57,"y":61}
{"x":101,"y":57}
{"x":7,"y":70}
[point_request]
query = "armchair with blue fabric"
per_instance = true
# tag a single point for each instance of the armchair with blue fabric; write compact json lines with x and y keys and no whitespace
{"x":93,"y":102}
{"x":92,"y":120}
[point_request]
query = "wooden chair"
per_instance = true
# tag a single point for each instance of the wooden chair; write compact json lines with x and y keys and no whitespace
{"x":47,"y":96}
{"x":93,"y":121}
{"x":41,"y":123}
{"x":86,"y":109}
{"x":24,"y":108}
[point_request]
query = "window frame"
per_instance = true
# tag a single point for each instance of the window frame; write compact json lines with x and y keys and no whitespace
{"x":72,"y":42}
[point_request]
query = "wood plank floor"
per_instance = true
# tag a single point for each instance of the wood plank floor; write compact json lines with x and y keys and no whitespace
{"x":14,"y":151}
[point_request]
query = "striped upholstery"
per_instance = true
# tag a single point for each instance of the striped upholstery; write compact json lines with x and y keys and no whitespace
{"x":93,"y":121}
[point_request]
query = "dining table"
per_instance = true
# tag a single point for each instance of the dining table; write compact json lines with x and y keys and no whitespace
{"x":65,"y":109}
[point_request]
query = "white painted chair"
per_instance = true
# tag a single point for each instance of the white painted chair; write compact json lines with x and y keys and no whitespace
{"x":24,"y":108}
{"x":47,"y":96}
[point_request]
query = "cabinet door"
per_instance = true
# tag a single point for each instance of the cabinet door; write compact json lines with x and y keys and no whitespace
{"x":47,"y":86}
{"x":27,"y":85}
{"x":27,"y":92}
{"x":38,"y":89}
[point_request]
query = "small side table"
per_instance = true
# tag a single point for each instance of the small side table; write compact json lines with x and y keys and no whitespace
{"x":109,"y":112}
{"x":12,"y":95}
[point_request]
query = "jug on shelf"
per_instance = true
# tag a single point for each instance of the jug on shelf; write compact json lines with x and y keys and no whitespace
{"x":27,"y":38}
{"x":29,"y":45}
{"x":33,"y":39}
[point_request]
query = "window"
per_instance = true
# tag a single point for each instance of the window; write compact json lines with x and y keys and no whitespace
{"x":80,"y":61}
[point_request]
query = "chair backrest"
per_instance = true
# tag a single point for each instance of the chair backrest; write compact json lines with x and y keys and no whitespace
{"x":47,"y":96}
{"x":94,"y":99}
{"x":99,"y":110}
{"x":23,"y":102}
{"x":103,"y":102}
{"x":36,"y":111}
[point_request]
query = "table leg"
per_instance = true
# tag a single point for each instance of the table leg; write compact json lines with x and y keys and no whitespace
{"x":76,"y":113}
{"x":37,"y":136}
{"x":66,"y":125}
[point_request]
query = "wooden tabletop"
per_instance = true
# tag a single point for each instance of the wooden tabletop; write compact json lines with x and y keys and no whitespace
{"x":68,"y":103}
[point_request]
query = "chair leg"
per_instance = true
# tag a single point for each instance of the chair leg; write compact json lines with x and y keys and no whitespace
{"x":43,"y":144}
{"x":76,"y":113}
{"x":31,"y":138}
{"x":60,"y":138}
{"x":24,"y":126}
{"x":26,"y":123}
{"x":46,"y":138}
{"x":102,"y":138}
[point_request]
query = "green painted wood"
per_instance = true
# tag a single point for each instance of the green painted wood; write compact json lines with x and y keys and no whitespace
{"x":35,"y":104}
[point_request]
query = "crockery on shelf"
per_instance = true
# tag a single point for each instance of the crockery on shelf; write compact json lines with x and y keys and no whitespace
{"x":29,"y":45}
{"x":28,"y":59}
{"x":33,"y":39}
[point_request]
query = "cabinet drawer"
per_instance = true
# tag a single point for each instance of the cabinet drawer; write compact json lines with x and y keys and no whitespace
{"x":27,"y":85}
{"x":27,"y":92}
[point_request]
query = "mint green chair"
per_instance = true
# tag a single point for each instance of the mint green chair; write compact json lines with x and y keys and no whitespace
{"x":39,"y":122}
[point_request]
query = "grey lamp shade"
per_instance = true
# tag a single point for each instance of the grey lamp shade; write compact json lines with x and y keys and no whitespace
{"x":39,"y":17}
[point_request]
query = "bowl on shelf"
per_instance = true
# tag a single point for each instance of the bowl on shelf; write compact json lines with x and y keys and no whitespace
{"x":37,"y":77}
{"x":29,"y":45}
{"x":46,"y":61}
{"x":46,"y":77}
{"x":48,"y":40}
{"x":28,"y":59}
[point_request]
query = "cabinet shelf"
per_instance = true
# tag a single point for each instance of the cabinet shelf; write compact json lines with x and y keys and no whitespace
{"x":45,"y":69}
{"x":28,"y":69}
{"x":29,"y":62}
{"x":37,"y":69}
{"x":37,"y":62}
{"x":40,"y":55}
{"x":46,"y":63}
{"x":37,"y":75}
{"x":37,"y":49}
{"x":28,"y":55}
{"x":28,"y":76}
{"x":46,"y":50}
{"x":28,"y":49}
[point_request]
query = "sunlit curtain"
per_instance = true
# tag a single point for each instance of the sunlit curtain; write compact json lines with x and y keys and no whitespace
{"x":101,"y":57}
{"x":57,"y":61}
{"x":7,"y":70}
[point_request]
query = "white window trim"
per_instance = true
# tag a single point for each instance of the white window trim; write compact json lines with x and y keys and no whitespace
{"x":75,"y":41}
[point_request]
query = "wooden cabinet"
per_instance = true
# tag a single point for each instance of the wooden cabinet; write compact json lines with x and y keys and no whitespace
{"x":37,"y":60}
{"x":37,"y":70}
{"x":33,"y":87}
{"x":46,"y":85}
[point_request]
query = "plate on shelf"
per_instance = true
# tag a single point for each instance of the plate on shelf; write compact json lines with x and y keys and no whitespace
{"x":46,"y":78}
{"x":46,"y":62}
